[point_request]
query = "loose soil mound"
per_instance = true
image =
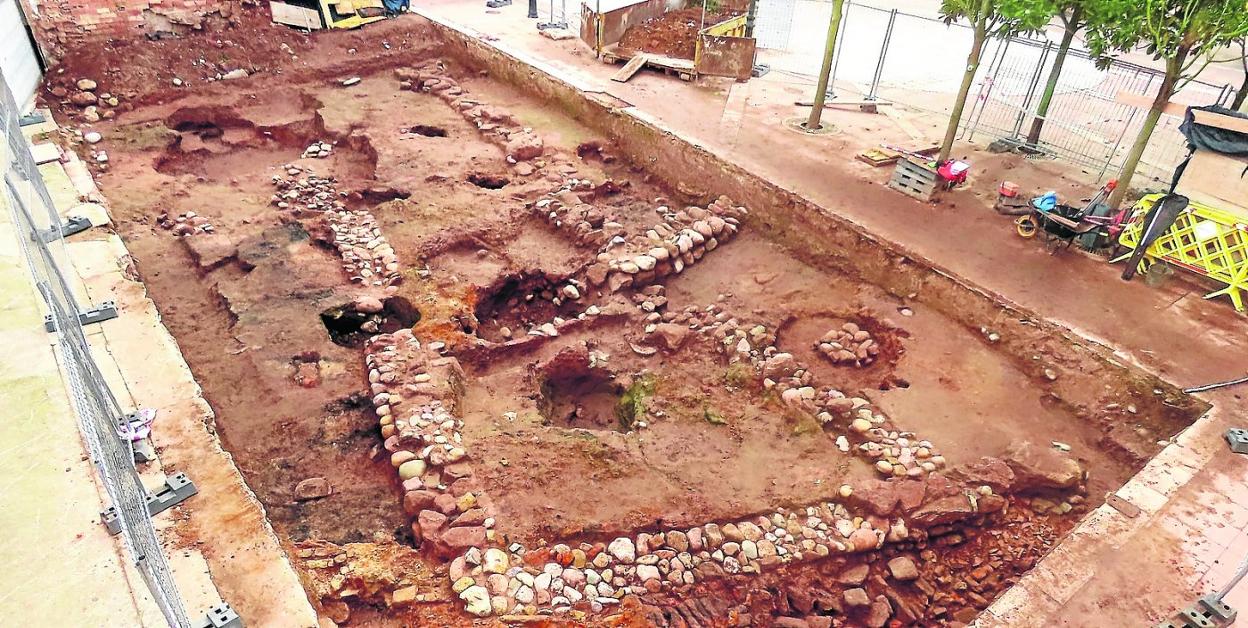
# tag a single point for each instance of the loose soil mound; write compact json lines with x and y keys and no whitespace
{"x":673,"y":34}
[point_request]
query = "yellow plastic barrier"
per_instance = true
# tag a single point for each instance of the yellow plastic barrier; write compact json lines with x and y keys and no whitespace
{"x":1203,"y":240}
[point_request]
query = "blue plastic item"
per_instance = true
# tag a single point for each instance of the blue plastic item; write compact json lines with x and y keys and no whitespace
{"x":1047,"y":202}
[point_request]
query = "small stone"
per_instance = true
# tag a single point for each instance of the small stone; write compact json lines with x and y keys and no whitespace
{"x":495,"y":561}
{"x":856,"y":597}
{"x":477,"y":600}
{"x":461,"y":584}
{"x":351,"y":81}
{"x":647,"y":572}
{"x":234,"y":74}
{"x":903,"y":568}
{"x":623,"y":550}
{"x":313,"y":488}
{"x":860,"y":425}
{"x":412,"y":469}
{"x":845,"y":490}
{"x":86,"y":85}
{"x":92,"y":137}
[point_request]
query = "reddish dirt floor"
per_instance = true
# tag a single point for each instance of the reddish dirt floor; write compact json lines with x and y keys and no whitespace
{"x":673,"y":34}
{"x":663,"y":428}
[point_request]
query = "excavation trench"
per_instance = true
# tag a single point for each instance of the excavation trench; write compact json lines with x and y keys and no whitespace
{"x":591,"y":389}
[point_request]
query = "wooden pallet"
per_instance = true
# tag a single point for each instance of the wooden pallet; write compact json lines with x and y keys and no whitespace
{"x":680,"y":68}
{"x":881,"y":156}
{"x":915,"y":179}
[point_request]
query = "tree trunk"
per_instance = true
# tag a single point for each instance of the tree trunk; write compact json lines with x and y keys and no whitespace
{"x":1241,"y":96}
{"x":1173,"y":67}
{"x":821,"y":90}
{"x":1050,"y":87}
{"x":972,"y":66}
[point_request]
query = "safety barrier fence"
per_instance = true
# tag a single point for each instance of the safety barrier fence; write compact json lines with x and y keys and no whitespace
{"x":1203,"y":240}
{"x":917,"y":60}
{"x":104,"y":424}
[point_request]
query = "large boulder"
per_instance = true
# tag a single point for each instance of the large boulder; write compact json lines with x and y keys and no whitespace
{"x":1038,"y":468}
{"x":671,"y":336}
{"x":991,"y":472}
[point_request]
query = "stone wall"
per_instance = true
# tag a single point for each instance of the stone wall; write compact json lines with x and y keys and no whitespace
{"x":63,"y":24}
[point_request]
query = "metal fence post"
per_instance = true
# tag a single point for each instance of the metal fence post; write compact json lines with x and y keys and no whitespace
{"x":1031,"y":88}
{"x":879,"y":66}
{"x":840,"y":40}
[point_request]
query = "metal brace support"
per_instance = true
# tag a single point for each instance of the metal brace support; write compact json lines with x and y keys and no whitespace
{"x":103,"y":312}
{"x":1217,"y":610}
{"x":143,"y":449}
{"x":73,"y":224}
{"x":220,"y":616}
{"x":34,"y":117}
{"x":1208,"y":612}
{"x":1237,"y":438}
{"x":177,"y":489}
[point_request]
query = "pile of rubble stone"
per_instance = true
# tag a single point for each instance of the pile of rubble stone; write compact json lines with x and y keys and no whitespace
{"x":895,"y":452}
{"x":848,"y":345}
{"x":565,"y":211}
{"x":678,"y":241}
{"x":318,"y":150}
{"x":366,"y":255}
{"x":93,"y":104}
{"x":184,"y":224}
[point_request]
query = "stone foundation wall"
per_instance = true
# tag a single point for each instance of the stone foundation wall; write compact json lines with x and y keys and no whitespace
{"x":63,"y":24}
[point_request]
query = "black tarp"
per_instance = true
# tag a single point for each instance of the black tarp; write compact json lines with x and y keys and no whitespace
{"x":1212,"y":138}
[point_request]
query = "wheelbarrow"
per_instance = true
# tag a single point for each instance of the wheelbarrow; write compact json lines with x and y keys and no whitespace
{"x":1061,"y":224}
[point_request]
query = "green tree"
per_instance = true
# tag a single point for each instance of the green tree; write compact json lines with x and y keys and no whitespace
{"x":987,"y":18}
{"x":1185,"y":35}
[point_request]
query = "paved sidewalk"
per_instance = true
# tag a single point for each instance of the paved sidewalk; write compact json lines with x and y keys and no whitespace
{"x":1114,"y":570}
{"x":58,"y":565}
{"x":62,"y":568}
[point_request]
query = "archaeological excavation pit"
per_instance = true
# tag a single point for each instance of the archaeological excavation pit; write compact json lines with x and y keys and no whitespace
{"x":555,"y":363}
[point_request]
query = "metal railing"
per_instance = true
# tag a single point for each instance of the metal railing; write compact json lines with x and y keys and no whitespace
{"x":101,"y":419}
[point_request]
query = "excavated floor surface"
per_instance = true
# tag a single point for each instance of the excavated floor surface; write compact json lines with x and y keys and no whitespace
{"x":649,"y":436}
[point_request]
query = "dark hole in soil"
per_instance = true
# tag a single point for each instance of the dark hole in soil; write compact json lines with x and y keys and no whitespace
{"x":582,"y":397}
{"x":206,"y":130}
{"x":488,"y":181}
{"x":427,"y":130}
{"x":350,"y":328}
{"x":518,"y":303}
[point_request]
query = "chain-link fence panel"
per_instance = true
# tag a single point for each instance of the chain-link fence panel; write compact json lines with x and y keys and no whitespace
{"x":773,"y":23}
{"x":103,"y":423}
